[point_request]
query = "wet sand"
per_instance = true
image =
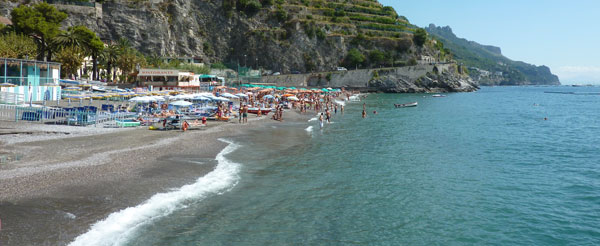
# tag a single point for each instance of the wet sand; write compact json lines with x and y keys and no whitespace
{"x":63,"y":183}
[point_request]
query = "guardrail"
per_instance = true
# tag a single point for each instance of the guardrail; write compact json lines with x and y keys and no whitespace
{"x":11,"y":98}
{"x":76,"y":116}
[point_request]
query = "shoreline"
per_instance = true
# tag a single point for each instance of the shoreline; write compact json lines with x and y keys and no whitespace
{"x":41,"y":199}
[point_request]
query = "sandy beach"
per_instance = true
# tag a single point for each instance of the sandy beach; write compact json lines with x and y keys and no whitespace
{"x":67,"y":178}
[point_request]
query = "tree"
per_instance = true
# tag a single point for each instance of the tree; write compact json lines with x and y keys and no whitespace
{"x":70,"y":58}
{"x":128,"y":60}
{"x":155,"y":61}
{"x":420,"y":37}
{"x":91,"y":44}
{"x":18,"y":46}
{"x":109,"y":58}
{"x":40,"y":21}
{"x":354,"y":58}
{"x":376,"y":57}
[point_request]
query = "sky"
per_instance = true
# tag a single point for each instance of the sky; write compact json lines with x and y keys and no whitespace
{"x":561,"y":34}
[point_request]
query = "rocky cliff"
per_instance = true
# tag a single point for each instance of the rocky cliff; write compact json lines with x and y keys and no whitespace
{"x":282,"y":36}
{"x":487,"y":64}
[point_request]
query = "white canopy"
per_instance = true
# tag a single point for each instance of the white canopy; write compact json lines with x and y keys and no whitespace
{"x":181,"y":103}
{"x":228,"y":95}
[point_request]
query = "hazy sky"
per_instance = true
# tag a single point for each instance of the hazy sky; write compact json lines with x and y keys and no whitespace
{"x":561,"y":34}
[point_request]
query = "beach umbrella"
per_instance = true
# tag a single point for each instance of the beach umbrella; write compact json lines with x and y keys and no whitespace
{"x":292,"y":88}
{"x":201,"y":98}
{"x":288,"y":95}
{"x":181,"y":103}
{"x":293,"y":98}
{"x":241,"y":95}
{"x":268,"y":96}
{"x":228,"y":95}
{"x":325,"y":90}
{"x":221,"y":99}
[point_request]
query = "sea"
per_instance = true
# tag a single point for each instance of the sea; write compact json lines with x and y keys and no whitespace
{"x":500,"y":166}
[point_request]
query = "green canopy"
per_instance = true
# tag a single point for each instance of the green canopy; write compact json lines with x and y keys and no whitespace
{"x":303,"y":89}
{"x":246,"y":85}
{"x":281,"y":88}
{"x":325,"y":90}
{"x":292,"y":88}
{"x":314,"y":89}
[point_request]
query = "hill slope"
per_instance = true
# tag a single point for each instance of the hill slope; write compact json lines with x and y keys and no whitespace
{"x":273,"y":35}
{"x":488,"y":65}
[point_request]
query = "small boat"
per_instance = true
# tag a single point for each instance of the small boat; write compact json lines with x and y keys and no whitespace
{"x":438,"y":95}
{"x":406,"y":105}
{"x":262,"y":110}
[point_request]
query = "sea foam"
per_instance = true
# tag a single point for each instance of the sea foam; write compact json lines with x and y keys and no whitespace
{"x":119,"y":227}
{"x":309,"y":129}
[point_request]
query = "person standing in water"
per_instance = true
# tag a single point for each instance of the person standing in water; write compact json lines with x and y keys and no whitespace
{"x":335,"y":111}
{"x":321,"y":120}
{"x":364,"y":112}
{"x":328,"y":116}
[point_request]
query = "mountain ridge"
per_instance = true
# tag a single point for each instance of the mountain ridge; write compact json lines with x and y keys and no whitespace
{"x":488,"y":65}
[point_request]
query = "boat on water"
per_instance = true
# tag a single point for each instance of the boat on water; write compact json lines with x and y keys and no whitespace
{"x":406,"y":105}
{"x":439,"y":95}
{"x":262,"y":110}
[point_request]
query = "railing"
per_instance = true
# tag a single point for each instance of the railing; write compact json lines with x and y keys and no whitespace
{"x":7,"y":112}
{"x":24,"y":81}
{"x":11,"y":98}
{"x":76,"y":116}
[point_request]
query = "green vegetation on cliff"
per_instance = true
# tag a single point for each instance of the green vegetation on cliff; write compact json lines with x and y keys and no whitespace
{"x":488,"y":65}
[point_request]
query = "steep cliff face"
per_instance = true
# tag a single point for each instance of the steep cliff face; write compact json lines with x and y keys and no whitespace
{"x":289,"y":36}
{"x":488,"y":65}
{"x":447,"y":80}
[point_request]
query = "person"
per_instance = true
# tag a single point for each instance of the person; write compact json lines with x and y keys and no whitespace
{"x":321,"y":120}
{"x":245,"y":114}
{"x":335,"y":109}
{"x":259,"y":113}
{"x":374,"y":112}
{"x":185,"y":126}
{"x":364,"y":112}
{"x":342,"y":109}
{"x":241,"y":111}
{"x":328,"y":115}
{"x":203,"y":120}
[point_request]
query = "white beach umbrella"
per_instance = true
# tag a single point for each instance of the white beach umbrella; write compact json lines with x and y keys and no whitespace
{"x":181,"y":103}
{"x":241,"y":95}
{"x":222,"y":99}
{"x":292,"y":98}
{"x":228,"y":95}
{"x":143,"y":99}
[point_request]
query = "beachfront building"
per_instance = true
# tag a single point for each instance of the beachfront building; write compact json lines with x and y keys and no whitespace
{"x":28,"y":80}
{"x":207,"y":82}
{"x":167,"y":79}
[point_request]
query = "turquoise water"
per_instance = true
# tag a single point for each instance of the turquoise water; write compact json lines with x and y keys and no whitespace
{"x":480,"y":168}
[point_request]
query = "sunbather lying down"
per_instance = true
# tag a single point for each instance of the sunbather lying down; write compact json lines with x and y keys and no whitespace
{"x":196,"y":123}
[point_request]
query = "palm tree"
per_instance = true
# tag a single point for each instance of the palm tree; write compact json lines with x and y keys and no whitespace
{"x":68,"y":38}
{"x":155,"y":61}
{"x":109,"y":58}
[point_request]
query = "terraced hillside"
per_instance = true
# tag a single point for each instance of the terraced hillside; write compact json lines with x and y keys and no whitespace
{"x":276,"y":35}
